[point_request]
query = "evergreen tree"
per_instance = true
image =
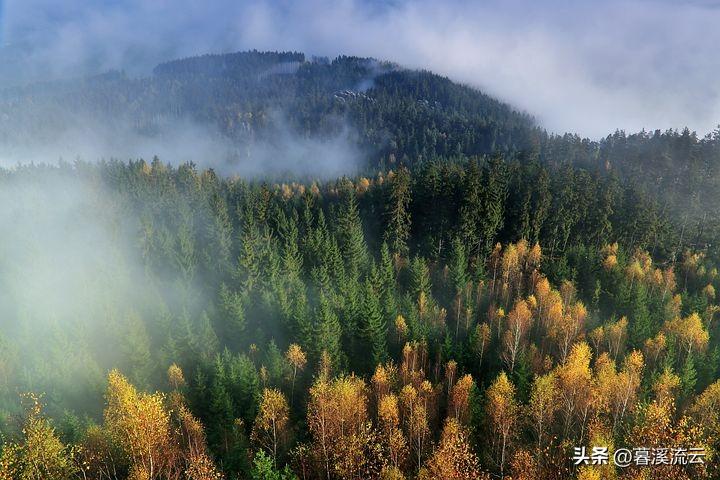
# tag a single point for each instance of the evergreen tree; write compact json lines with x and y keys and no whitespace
{"x":641,"y":324}
{"x":328,"y":333}
{"x":375,"y":325}
{"x":397,"y":232}
{"x":387,"y":284}
{"x":350,"y":234}
{"x":688,"y":377}
{"x":232,"y":316}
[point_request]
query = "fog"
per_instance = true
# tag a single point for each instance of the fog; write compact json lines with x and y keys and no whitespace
{"x":69,"y":279}
{"x":284,"y":153}
{"x":586,"y":67}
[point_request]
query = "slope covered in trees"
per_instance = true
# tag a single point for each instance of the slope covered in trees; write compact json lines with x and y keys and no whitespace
{"x":479,"y":299}
{"x":455,"y":321}
{"x":385,"y":115}
{"x":395,"y":113}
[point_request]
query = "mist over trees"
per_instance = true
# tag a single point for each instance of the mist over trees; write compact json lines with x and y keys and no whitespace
{"x":473,"y":300}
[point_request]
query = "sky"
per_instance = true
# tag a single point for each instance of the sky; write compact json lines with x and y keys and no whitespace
{"x":579,"y":66}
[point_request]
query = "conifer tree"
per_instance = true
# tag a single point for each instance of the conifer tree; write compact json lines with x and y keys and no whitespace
{"x":387,"y":285}
{"x":397,"y":232}
{"x":375,"y":325}
{"x":328,"y":334}
{"x":350,"y":234}
{"x":232,"y":316}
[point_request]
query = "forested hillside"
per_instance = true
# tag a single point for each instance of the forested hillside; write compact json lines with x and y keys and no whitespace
{"x":476,"y":301}
{"x":386,"y":116}
{"x":407,"y":114}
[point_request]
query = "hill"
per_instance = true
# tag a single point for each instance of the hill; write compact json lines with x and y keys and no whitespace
{"x":394,"y":114}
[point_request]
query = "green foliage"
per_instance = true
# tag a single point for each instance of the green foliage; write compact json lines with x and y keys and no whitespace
{"x":688,"y":377}
{"x":398,"y":220}
{"x":264,"y":469}
{"x":375,"y":327}
{"x":226,"y":265}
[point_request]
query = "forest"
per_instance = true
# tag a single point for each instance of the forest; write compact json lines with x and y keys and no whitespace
{"x":476,"y":301}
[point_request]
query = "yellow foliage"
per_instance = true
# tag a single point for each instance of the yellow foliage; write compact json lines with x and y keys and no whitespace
{"x":709,"y":291}
{"x":665,"y":386}
{"x":401,"y":327}
{"x":610,"y":262}
{"x":460,"y":398}
{"x":391,"y":473}
{"x":175,"y":377}
{"x":270,"y":429}
{"x":296,"y":357}
{"x":689,"y":331}
{"x":139,"y":423}
{"x":40,"y":454}
{"x":453,"y":459}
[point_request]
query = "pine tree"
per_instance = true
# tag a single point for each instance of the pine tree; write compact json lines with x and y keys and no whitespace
{"x":328,"y":333}
{"x":232,"y":316}
{"x":264,"y":469}
{"x":494,"y":195}
{"x":688,"y":377}
{"x":135,"y":349}
{"x":419,"y":278}
{"x":217,"y":251}
{"x":220,"y":412}
{"x":205,"y":340}
{"x":471,"y":209}
{"x":375,"y":327}
{"x":397,"y":213}
{"x":387,"y":284}
{"x":641,"y":322}
{"x":350,"y":234}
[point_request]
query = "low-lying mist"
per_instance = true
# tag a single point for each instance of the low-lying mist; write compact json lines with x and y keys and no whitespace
{"x":68,"y":281}
{"x":280,"y":152}
{"x":80,"y":293}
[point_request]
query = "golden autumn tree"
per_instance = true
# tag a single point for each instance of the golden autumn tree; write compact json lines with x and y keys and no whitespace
{"x":392,"y":435}
{"x":575,"y":387}
{"x":655,"y":348}
{"x":39,"y":454}
{"x":616,"y":336}
{"x":415,"y":418}
{"x":460,"y":398}
{"x":666,"y":386}
{"x":705,"y":412}
{"x":627,"y":386}
{"x":198,"y":464}
{"x":502,"y":411}
{"x":140,"y":424}
{"x":157,"y":439}
{"x":566,"y":328}
{"x":99,"y":455}
{"x":193,"y":459}
{"x":176,"y":378}
{"x":383,"y":380}
{"x":270,"y":430}
{"x":361,"y":455}
{"x":401,"y":328}
{"x":482,"y":339}
{"x":656,"y":427}
{"x":543,"y":405}
{"x":297,"y":360}
{"x":689,"y":332}
{"x":519,"y":321}
{"x":453,"y":459}
{"x":336,"y":408}
{"x":523,"y":466}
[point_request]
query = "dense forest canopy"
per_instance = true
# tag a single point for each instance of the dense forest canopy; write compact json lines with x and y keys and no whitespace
{"x":475,"y":298}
